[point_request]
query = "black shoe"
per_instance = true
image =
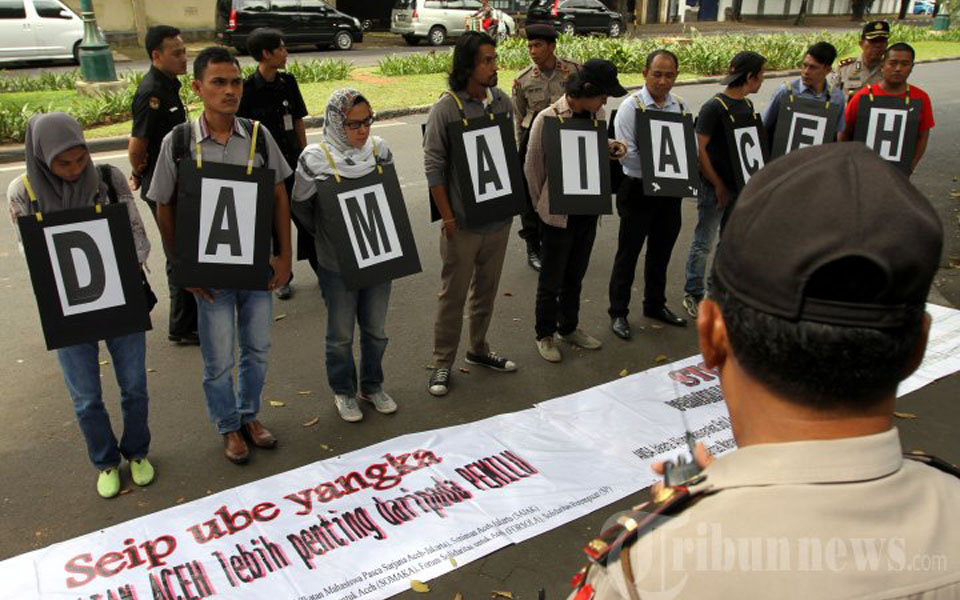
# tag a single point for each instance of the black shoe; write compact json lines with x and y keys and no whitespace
{"x":439,"y":383}
{"x":190,"y":339}
{"x":665,"y":315}
{"x":491,"y":360}
{"x":621,"y":328}
{"x":533,"y":259}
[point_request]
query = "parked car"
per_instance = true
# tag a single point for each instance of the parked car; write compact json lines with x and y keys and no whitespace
{"x":576,"y":16}
{"x":923,"y":7}
{"x":39,"y":29}
{"x":439,"y":20}
{"x":301,"y":21}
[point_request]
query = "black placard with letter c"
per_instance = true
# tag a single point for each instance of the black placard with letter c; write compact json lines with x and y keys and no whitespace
{"x":747,"y":144}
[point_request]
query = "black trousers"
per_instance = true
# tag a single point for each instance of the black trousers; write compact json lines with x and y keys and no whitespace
{"x":183,"y":306}
{"x":565,"y":254}
{"x":530,"y":223}
{"x":643,"y":218}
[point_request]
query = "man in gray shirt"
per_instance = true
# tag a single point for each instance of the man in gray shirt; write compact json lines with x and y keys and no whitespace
{"x":221,"y":137}
{"x":472,"y":258}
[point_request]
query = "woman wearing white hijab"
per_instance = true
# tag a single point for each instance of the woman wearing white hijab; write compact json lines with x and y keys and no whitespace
{"x":62,"y":176}
{"x":349,"y":150}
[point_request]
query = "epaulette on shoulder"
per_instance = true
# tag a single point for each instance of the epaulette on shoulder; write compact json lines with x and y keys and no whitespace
{"x":525,"y":70}
{"x":933,"y":461}
{"x":846,"y":61}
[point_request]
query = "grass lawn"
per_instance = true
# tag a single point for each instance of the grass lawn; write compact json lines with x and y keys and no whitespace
{"x":384,"y":92}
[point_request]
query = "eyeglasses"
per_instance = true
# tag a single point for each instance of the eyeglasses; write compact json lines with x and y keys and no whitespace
{"x":355,"y":125}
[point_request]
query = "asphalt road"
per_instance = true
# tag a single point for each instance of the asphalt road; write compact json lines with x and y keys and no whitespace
{"x":47,"y":485}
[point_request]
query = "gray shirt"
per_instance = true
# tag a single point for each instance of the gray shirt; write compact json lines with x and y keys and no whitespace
{"x":437,"y":147}
{"x":234,"y":152}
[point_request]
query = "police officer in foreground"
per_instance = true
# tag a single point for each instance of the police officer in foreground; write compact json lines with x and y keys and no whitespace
{"x":535,"y":88}
{"x":855,"y":73}
{"x":811,"y":340}
{"x":157,"y":109}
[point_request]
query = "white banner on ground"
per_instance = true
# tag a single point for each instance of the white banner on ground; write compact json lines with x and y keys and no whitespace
{"x":367,"y":523}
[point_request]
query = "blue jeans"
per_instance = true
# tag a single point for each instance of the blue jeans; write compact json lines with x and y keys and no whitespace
{"x":246,"y":314}
{"x":81,"y":372}
{"x":710,"y":221}
{"x":366,"y":307}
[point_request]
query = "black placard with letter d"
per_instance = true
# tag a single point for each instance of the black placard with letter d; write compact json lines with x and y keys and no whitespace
{"x":889,"y":126}
{"x":366,"y":220}
{"x":747,"y":143}
{"x":578,"y":166}
{"x":224,"y":224}
{"x":486,"y":168}
{"x":804,"y":122}
{"x":668,"y":154}
{"x":85,"y":274}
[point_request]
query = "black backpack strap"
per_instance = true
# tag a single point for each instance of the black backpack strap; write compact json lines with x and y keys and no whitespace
{"x":106,"y":176}
{"x":933,"y":461}
{"x":182,"y":135}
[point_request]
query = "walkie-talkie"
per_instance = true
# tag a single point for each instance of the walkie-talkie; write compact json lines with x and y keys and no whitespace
{"x":679,"y":471}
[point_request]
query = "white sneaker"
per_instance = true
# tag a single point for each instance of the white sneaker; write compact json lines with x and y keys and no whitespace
{"x":380,"y":401}
{"x":582,"y":340}
{"x":691,"y":305}
{"x":348,"y":408}
{"x":548,"y":350}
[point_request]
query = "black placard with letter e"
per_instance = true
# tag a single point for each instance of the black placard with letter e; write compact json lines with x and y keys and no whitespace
{"x":85,"y":274}
{"x":889,"y":126}
{"x":667,"y":145}
{"x":224,"y":224}
{"x":486,"y":168}
{"x":747,"y":143}
{"x":578,"y":166}
{"x":366,"y":220}
{"x":804,"y":122}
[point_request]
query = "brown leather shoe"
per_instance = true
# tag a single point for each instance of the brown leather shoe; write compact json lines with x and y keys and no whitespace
{"x":259,"y":436}
{"x":235,"y":448}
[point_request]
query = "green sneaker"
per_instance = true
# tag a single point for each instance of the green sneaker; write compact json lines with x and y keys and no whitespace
{"x":108,"y":483}
{"x":142,"y":471}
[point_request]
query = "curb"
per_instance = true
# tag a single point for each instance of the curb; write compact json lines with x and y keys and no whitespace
{"x":15,"y":153}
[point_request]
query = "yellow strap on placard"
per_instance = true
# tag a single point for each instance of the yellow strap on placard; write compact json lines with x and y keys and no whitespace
{"x":727,"y":108}
{"x":98,"y":208}
{"x":376,"y":158}
{"x":489,"y":104}
{"x":639,"y":103}
{"x":557,"y":113}
{"x":32,"y":196}
{"x":333,"y":164}
{"x":463,"y":115}
{"x":253,"y":146}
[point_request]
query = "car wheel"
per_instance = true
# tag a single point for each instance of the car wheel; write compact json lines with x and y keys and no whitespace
{"x":615,"y":30}
{"x":411,"y":40}
{"x":76,"y":53}
{"x":437,"y":36}
{"x":343,"y":40}
{"x":568,"y":28}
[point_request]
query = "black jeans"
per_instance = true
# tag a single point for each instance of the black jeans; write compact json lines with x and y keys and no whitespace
{"x":642,"y":218}
{"x":530,"y":223}
{"x":565,"y":254}
{"x":183,"y":305}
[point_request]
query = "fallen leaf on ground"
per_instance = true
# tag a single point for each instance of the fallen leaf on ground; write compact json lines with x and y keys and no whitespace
{"x":453,"y":562}
{"x":508,"y":294}
{"x":104,"y":362}
{"x":325,"y":447}
{"x":655,"y":326}
{"x":429,"y":367}
{"x":151,"y":370}
{"x":624,"y":372}
{"x":39,"y":534}
{"x":419,"y":586}
{"x":304,"y":392}
{"x":497,"y":594}
{"x":181,"y":500}
{"x":280,"y":317}
{"x":19,"y":361}
{"x":516,"y":319}
{"x":124,"y":491}
{"x":312,"y":422}
{"x":465,"y":370}
{"x":662,"y":358}
{"x":143,"y":504}
{"x":458,"y":595}
{"x":277,"y":403}
{"x":904,"y":415}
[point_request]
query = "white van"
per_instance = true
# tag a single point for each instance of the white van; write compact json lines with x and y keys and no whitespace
{"x":39,"y":30}
{"x":438,"y":20}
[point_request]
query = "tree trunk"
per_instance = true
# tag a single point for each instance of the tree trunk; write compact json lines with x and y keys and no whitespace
{"x":802,"y":15}
{"x":903,"y":10}
{"x":858,"y":7}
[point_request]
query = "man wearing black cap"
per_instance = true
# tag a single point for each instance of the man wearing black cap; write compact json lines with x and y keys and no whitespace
{"x":566,"y":239}
{"x":855,"y":73}
{"x":719,"y":189}
{"x":535,"y":88}
{"x":811,"y":340}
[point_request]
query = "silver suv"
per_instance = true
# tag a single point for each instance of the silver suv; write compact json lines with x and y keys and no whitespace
{"x":439,"y":20}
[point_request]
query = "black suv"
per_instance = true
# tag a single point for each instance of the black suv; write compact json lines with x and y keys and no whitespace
{"x":576,"y":16}
{"x":301,"y":21}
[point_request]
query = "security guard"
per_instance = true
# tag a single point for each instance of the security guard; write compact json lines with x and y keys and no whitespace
{"x":855,"y":73}
{"x":157,"y":109}
{"x":819,"y":480}
{"x":535,"y":88}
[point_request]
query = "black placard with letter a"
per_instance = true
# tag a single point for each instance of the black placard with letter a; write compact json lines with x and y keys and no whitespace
{"x":668,"y":154}
{"x":889,"y":125}
{"x":85,"y":274}
{"x":578,"y":166}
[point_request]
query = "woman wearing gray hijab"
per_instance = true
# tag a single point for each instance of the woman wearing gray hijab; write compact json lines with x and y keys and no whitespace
{"x":347,"y":150}
{"x":61,"y":177}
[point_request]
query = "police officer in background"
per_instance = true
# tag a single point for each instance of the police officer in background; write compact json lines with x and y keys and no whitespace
{"x":273,"y":98}
{"x":855,"y":73}
{"x":157,"y":109}
{"x":811,"y":339}
{"x":535,"y":88}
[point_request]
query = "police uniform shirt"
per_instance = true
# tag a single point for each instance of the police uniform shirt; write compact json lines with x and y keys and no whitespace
{"x":853,"y":75}
{"x":845,"y":518}
{"x":625,"y":125}
{"x":277,"y":105}
{"x":534,"y":90}
{"x":234,"y":152}
{"x":156,"y":110}
{"x":799,"y":90}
